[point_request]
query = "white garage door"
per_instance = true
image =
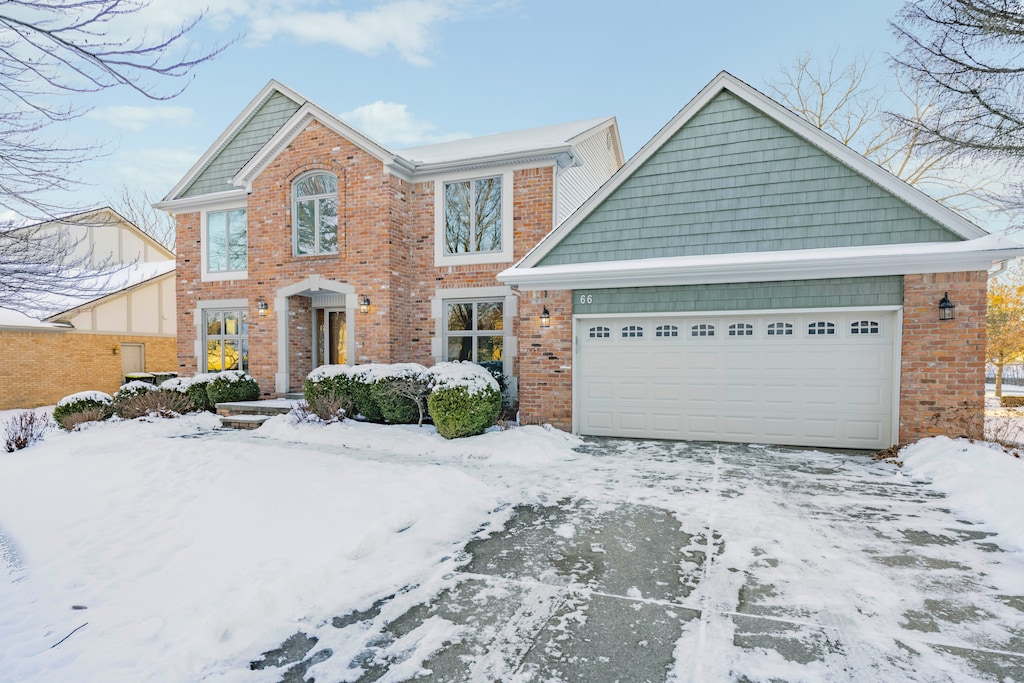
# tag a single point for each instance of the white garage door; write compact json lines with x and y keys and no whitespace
{"x":813,"y":379}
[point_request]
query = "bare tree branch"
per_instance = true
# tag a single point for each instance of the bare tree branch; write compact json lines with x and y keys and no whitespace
{"x":137,"y":207}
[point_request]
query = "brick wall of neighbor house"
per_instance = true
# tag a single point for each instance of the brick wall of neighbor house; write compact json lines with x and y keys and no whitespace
{"x":942,"y":386}
{"x":40,"y":368}
{"x":545,"y":359}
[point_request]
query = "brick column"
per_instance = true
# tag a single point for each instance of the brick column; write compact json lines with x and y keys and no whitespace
{"x":545,"y":359}
{"x":942,"y":385}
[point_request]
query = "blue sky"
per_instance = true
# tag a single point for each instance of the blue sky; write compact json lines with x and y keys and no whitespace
{"x":411,"y":72}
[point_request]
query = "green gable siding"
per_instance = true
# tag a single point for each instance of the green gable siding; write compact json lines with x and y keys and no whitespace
{"x":743,"y":296}
{"x":249,"y":139}
{"x":733,"y":180}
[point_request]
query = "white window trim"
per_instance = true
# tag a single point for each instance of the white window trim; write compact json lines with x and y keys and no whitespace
{"x":206,"y":275}
{"x":295,"y":216}
{"x":199,"y":317}
{"x":510,"y":345}
{"x":441,"y":257}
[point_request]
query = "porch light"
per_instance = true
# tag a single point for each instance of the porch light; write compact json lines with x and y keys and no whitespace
{"x":947,"y":311}
{"x":262,"y":306}
{"x":545,"y":318}
{"x":364,"y":304}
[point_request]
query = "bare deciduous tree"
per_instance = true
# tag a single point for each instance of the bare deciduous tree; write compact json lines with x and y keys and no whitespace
{"x":137,"y":207}
{"x":52,"y":54}
{"x":842,"y":100}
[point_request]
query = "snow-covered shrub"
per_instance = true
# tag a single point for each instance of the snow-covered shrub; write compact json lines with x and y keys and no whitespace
{"x":464,"y":399}
{"x":24,"y":429}
{"x":124,"y":396}
{"x":400,"y":391}
{"x":85,"y":406}
{"x":195,"y":389}
{"x":232,"y":385}
{"x":360,"y":387}
{"x":327,"y":393}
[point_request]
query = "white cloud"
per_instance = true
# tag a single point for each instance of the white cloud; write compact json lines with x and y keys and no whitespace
{"x":154,"y":170}
{"x":137,"y":118}
{"x":391,"y":123}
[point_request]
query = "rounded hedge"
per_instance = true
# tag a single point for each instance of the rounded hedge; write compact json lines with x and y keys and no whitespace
{"x":124,"y":396}
{"x":360,"y":387}
{"x":398,"y":391}
{"x":95,"y":402}
{"x":232,"y":385}
{"x":464,"y":400}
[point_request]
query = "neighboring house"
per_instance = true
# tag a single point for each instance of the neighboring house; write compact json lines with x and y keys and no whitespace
{"x":302,"y":242}
{"x":746,"y":277}
{"x":76,"y":344}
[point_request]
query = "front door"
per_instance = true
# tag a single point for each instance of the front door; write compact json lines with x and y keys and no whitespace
{"x":331,"y":337}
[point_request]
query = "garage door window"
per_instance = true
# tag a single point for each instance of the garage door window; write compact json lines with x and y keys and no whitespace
{"x":702,"y":330}
{"x":666,"y":331}
{"x":474,"y":330}
{"x":818,"y":328}
{"x":741,"y":330}
{"x":632,"y":331}
{"x":600,"y":332}
{"x":864,"y":327}
{"x":780,"y":329}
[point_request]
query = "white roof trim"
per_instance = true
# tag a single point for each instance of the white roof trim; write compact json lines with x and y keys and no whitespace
{"x":92,"y":303}
{"x":796,"y":264}
{"x":229,"y":132}
{"x":784,"y":117}
{"x":307,"y":113}
{"x":187,"y":204}
{"x":115,"y":218}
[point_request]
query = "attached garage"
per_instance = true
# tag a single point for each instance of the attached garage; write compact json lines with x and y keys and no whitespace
{"x":813,"y":378}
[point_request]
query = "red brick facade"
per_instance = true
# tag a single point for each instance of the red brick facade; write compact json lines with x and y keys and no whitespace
{"x":942,"y":382}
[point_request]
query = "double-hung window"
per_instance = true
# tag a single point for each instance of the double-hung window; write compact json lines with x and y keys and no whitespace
{"x":474,"y":330}
{"x":227,"y":241}
{"x":315,"y":214}
{"x":227,"y":339}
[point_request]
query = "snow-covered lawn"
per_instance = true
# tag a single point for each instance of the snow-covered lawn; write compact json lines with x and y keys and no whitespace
{"x":180,"y":552}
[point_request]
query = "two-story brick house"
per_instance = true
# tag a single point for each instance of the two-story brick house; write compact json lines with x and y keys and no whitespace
{"x":303,"y":242}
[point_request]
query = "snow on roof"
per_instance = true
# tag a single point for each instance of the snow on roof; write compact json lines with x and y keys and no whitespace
{"x":131,"y":275}
{"x":529,"y":140}
{"x":12,"y":318}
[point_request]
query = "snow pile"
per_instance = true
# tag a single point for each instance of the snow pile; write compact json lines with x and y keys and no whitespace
{"x":328,"y":371}
{"x":97,"y":396}
{"x":982,"y":482}
{"x":373,"y":372}
{"x":179,"y":384}
{"x":474,"y":377}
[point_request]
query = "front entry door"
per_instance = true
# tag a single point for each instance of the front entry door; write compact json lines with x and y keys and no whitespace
{"x":331,"y":337}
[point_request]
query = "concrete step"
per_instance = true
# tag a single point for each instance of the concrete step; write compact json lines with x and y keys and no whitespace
{"x":243,"y":421}
{"x":273,"y":406}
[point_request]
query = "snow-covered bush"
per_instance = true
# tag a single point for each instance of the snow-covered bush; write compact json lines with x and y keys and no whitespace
{"x":400,"y":391}
{"x":139,"y":399}
{"x":24,"y":429}
{"x":85,"y":406}
{"x":327,"y":393}
{"x":124,"y":397}
{"x":232,"y":385}
{"x":360,"y":387}
{"x":195,"y":389}
{"x":464,"y":399}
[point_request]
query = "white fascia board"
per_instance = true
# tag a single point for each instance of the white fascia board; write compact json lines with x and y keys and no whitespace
{"x":229,"y":132}
{"x":804,"y":264}
{"x":92,"y":303}
{"x":561,"y":155}
{"x":787,"y":119}
{"x":307,"y":113}
{"x":199,"y":202}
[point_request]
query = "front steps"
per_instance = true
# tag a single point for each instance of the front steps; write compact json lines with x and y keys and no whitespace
{"x":252,"y":414}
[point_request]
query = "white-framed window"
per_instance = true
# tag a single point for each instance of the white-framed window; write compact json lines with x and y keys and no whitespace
{"x":741,"y":330}
{"x":821,"y":328}
{"x":315,"y":214}
{"x":473,"y":218}
{"x":864,"y":327}
{"x":702,"y":330}
{"x":474,"y":330}
{"x":780,"y":329}
{"x":226,"y":339}
{"x":600,"y":332}
{"x":632,"y":331}
{"x":225,"y":243}
{"x":666,"y":331}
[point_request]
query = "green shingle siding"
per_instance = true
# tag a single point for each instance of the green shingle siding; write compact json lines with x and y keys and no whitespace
{"x":733,"y":180}
{"x":744,"y":296}
{"x":266,"y":121}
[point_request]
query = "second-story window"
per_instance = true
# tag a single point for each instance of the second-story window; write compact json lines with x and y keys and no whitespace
{"x":472,"y":216}
{"x":315,"y":213}
{"x":227,"y":241}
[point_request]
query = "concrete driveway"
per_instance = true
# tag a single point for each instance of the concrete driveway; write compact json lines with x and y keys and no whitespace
{"x":658,"y":561}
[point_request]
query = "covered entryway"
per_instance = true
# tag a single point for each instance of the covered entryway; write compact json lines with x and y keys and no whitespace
{"x":820,"y":378}
{"x":326,"y":309}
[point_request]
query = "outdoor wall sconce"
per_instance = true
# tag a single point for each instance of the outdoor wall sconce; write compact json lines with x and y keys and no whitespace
{"x":947,"y":311}
{"x":262,"y":306}
{"x":545,"y":318}
{"x":364,"y":304}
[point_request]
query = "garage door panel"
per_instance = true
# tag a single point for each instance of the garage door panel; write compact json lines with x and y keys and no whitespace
{"x":828,"y":390}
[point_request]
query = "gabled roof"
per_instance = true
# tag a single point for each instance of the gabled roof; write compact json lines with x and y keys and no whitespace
{"x":547,"y":142}
{"x":724,"y":81}
{"x":103,"y":216}
{"x":121,"y":282}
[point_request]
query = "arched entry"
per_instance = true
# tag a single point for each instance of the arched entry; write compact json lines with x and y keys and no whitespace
{"x":332,"y":317}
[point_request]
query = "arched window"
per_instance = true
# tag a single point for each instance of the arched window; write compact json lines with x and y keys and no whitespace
{"x":315,"y":214}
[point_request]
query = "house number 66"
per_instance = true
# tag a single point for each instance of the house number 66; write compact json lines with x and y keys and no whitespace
{"x":586,"y":298}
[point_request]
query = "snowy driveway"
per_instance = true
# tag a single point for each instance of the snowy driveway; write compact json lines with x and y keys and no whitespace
{"x":652,"y":561}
